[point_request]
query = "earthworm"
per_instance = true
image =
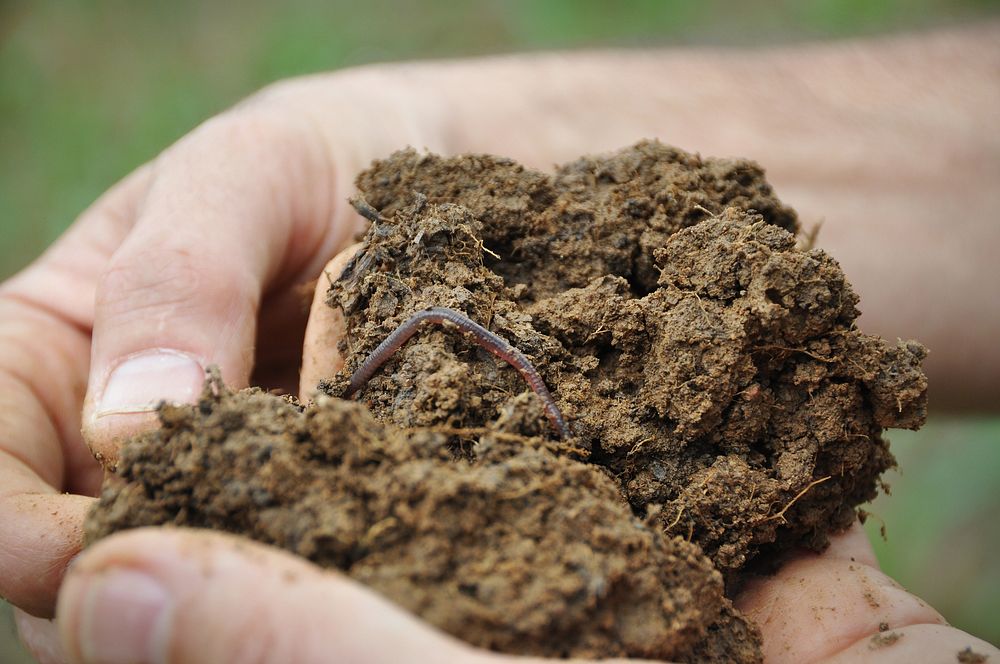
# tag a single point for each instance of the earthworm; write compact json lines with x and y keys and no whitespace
{"x":482,"y":338}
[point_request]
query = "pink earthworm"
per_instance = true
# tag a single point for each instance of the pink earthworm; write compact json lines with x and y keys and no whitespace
{"x":482,"y":338}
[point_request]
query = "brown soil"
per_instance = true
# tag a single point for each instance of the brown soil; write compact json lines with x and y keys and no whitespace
{"x":884,"y":640}
{"x":970,"y":656}
{"x":719,"y":396}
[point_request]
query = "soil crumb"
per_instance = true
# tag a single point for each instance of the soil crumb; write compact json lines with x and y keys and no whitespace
{"x":722,"y":404}
{"x":883,"y":640}
{"x":970,"y":656}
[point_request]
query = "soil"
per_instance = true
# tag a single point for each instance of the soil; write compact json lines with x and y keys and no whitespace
{"x":884,"y":640}
{"x":970,"y":656}
{"x":722,"y":404}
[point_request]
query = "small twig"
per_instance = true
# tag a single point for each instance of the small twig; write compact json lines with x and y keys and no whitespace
{"x":487,"y":249}
{"x":385,"y":524}
{"x":635,"y":448}
{"x":781,"y":514}
{"x":675,"y":521}
{"x":499,"y":435}
{"x":808,"y":239}
{"x":520,"y":493}
{"x":362,"y":207}
{"x":827,"y":360}
{"x":473,"y":431}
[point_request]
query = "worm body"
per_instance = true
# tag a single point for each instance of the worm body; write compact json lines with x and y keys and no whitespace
{"x":480,"y":335}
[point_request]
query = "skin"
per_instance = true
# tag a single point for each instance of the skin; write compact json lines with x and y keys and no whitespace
{"x":204,"y":251}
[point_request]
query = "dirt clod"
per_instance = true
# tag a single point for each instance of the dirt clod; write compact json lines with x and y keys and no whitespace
{"x":883,"y":640}
{"x":719,"y":395}
{"x":969,"y":656}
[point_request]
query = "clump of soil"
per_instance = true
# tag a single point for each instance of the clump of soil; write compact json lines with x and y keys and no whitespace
{"x":970,"y":656}
{"x":719,"y":397}
{"x":884,"y":639}
{"x":521,"y":550}
{"x":702,"y":358}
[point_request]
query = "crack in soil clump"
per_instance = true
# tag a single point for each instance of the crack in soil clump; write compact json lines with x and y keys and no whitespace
{"x":722,"y":407}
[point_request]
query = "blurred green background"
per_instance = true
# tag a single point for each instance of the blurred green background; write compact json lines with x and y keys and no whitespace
{"x":90,"y":90}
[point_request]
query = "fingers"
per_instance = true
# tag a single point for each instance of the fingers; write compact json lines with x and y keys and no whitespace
{"x":916,"y":643}
{"x":48,"y":335}
{"x":320,"y":356}
{"x":40,"y":534}
{"x":42,"y":365}
{"x":46,"y":313}
{"x":185,"y":596}
{"x":41,"y":637}
{"x":240,"y":207}
{"x":43,"y":362}
{"x":818,"y":605}
{"x":178,"y":258}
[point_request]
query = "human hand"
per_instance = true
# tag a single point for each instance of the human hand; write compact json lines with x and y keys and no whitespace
{"x":172,"y":264}
{"x":195,"y":259}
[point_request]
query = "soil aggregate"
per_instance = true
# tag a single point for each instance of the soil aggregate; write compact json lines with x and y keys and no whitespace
{"x":722,"y":403}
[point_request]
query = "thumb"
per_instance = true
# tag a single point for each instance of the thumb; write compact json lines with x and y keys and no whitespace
{"x":174,"y":595}
{"x":170,"y":595}
{"x":838,"y":607}
{"x":239,"y":207}
{"x":326,"y":327}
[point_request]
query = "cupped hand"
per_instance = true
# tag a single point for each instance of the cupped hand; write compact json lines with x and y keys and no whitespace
{"x":197,"y":258}
{"x":158,"y":595}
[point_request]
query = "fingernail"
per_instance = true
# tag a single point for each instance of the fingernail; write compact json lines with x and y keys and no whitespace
{"x":143,"y":380}
{"x":123,"y":617}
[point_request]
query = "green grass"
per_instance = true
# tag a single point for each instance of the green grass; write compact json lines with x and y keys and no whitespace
{"x":90,"y":90}
{"x":942,"y":530}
